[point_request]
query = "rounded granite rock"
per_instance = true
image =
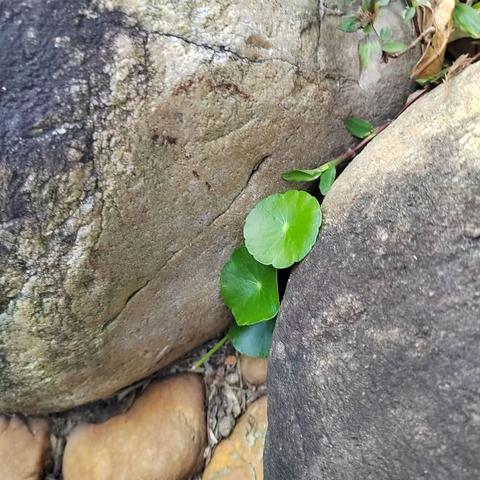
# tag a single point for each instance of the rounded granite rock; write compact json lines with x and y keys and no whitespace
{"x":375,"y":366}
{"x":136,"y":135}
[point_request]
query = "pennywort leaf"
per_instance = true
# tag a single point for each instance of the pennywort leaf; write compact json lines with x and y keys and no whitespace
{"x":391,"y":46}
{"x":282,"y":228}
{"x":358,"y":127}
{"x":408,"y":14}
{"x":350,"y":24}
{"x":327,"y":179}
{"x":467,"y":19}
{"x":249,"y":289}
{"x":253,"y":340}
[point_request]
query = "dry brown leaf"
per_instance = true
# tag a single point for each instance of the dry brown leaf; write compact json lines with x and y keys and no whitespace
{"x":440,"y":17}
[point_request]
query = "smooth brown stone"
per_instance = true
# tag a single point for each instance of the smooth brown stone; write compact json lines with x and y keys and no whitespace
{"x":23,"y":448}
{"x":254,"y":370}
{"x":161,"y":437}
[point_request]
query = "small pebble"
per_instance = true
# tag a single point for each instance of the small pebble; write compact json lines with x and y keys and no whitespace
{"x":225,"y":426}
{"x":254,"y":370}
{"x":232,"y":378}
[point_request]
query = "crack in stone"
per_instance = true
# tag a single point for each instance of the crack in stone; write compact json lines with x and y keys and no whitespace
{"x":127,"y":301}
{"x":222,"y":49}
{"x":134,"y":294}
{"x":245,"y":186}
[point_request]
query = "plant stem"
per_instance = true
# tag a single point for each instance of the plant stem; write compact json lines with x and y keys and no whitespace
{"x":355,"y":150}
{"x":424,"y":34}
{"x":207,"y":356}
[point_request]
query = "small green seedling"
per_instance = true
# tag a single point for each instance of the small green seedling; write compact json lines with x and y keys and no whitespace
{"x":358,"y":128}
{"x":278,"y":232}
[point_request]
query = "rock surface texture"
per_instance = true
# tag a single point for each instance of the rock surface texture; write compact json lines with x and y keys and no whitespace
{"x":240,"y":456}
{"x":162,"y":436}
{"x":375,"y":371}
{"x":23,"y":448}
{"x":135,"y":137}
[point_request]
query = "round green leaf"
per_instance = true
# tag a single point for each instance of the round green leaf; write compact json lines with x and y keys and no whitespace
{"x":249,"y":289}
{"x":254,"y":340}
{"x":282,"y":228}
{"x":327,"y":179}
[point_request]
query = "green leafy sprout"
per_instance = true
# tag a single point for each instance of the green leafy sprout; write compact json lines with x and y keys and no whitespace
{"x":282,"y":228}
{"x":278,"y":232}
{"x":374,"y":45}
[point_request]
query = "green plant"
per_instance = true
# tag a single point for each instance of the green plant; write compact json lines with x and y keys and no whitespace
{"x":467,"y":20}
{"x":374,"y":45}
{"x":358,"y":128}
{"x":279,"y":231}
{"x":440,"y":22}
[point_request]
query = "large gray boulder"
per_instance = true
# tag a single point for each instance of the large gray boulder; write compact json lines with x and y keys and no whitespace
{"x":375,"y":365}
{"x":135,"y":135}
